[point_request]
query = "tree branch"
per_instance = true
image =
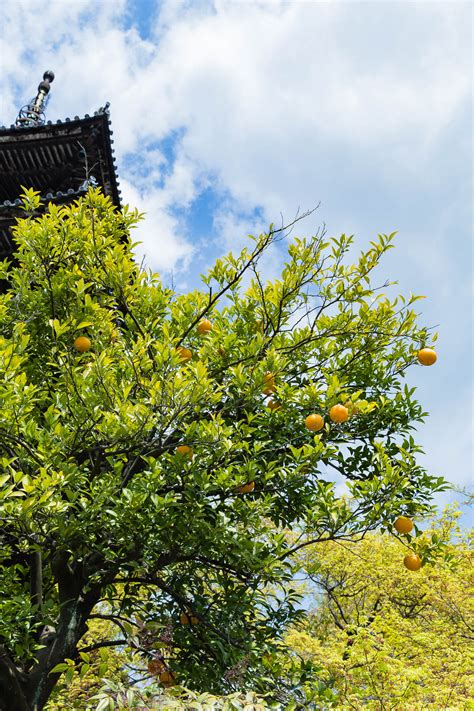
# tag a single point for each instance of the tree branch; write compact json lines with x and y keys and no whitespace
{"x":10,"y":685}
{"x":108,"y":643}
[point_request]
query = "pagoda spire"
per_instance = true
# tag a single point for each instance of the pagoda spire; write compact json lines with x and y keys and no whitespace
{"x":33,"y":113}
{"x":59,"y":159}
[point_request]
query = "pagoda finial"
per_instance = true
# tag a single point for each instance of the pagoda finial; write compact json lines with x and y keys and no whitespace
{"x":33,"y":113}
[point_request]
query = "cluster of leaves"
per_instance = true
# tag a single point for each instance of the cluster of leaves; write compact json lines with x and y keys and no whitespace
{"x":387,"y":638}
{"x":378,"y":636}
{"x":101,"y":517}
{"x":121,"y":697}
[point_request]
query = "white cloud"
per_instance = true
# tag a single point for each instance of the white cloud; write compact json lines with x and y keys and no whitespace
{"x":37,"y":32}
{"x":262,"y":91}
{"x":278,"y":105}
{"x":159,"y":233}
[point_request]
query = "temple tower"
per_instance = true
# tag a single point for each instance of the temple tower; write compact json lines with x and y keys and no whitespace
{"x":60,"y":160}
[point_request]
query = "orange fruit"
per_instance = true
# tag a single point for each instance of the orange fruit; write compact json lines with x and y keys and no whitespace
{"x":427,"y":356}
{"x":273,"y":405}
{"x":246,"y":488}
{"x":314,"y":423}
{"x":412,"y":561}
{"x":269,"y":383}
{"x":166,"y":678}
{"x":156,"y":666}
{"x":403,"y":524}
{"x":82,"y":344}
{"x":186,"y":618}
{"x":185,"y":451}
{"x":184,"y":354}
{"x":204,"y":326}
{"x":339,"y":413}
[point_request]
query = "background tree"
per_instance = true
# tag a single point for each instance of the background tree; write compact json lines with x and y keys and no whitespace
{"x":82,"y":681}
{"x":128,"y":428}
{"x":388,"y":638}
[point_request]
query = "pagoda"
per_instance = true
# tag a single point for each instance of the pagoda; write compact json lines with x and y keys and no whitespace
{"x":60,"y":160}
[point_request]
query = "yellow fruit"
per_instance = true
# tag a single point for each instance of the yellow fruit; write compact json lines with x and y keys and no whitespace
{"x":156,"y":666}
{"x":204,"y":326}
{"x":403,"y":524}
{"x":338,"y":413}
{"x":246,"y":488}
{"x":314,"y":423}
{"x":184,"y":354}
{"x":427,"y":356}
{"x":269,"y":383}
{"x":166,"y":678}
{"x":184,"y":451}
{"x":412,"y":561}
{"x":188,"y":619}
{"x":352,"y":407}
{"x":82,"y":344}
{"x":273,"y":405}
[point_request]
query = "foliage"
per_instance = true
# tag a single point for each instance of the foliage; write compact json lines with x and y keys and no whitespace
{"x":83,"y":681}
{"x":121,"y":696}
{"x":389,"y":638}
{"x":101,"y":516}
{"x":300,"y":683}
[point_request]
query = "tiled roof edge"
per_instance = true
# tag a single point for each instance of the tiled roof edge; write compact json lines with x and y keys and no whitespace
{"x":14,"y":128}
{"x":8,"y":204}
{"x":104,"y":113}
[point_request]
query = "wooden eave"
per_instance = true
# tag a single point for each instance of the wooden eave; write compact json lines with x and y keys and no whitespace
{"x":56,"y":159}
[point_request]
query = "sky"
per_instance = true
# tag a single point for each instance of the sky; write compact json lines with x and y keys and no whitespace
{"x":229,"y":115}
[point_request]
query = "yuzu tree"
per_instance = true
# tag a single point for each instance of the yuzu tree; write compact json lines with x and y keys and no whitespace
{"x":99,"y":515}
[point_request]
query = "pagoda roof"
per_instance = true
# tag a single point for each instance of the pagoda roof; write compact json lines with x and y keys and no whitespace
{"x":59,"y":159}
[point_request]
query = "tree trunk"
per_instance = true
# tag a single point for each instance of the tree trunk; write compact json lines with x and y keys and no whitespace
{"x":21,"y":691}
{"x":71,"y":628}
{"x":11,"y":692}
{"x":36,"y":580}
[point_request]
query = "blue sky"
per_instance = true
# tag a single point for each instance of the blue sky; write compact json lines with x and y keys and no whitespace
{"x":226,"y":114}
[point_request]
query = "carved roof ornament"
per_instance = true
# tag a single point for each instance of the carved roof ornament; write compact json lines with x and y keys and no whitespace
{"x":33,"y":113}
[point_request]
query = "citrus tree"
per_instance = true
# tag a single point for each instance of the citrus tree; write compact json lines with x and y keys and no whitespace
{"x":156,"y":446}
{"x":387,"y":638}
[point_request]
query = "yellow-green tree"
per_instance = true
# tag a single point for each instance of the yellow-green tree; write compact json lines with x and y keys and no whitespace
{"x":388,"y":638}
{"x":83,"y":680}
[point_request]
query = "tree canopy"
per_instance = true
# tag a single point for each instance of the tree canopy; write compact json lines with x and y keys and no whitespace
{"x":384,"y":638}
{"x":374,"y":636}
{"x":151,"y":464}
